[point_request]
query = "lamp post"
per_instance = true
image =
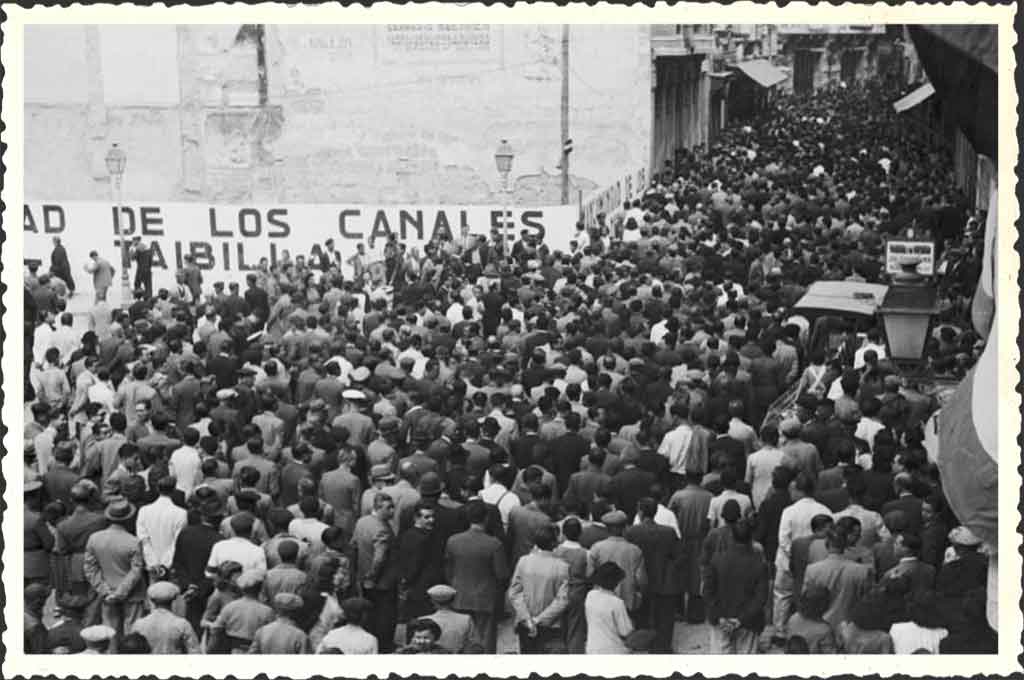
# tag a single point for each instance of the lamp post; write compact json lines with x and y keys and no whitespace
{"x":907,"y":311}
{"x":116,"y":160}
{"x":503,"y":156}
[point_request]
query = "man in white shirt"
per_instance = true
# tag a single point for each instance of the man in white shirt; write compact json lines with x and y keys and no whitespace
{"x":185,"y":462}
{"x":675,"y":445}
{"x":729,"y":493}
{"x":794,"y":523}
{"x":872,"y":342}
{"x":158,"y":526}
{"x":762,"y":463}
{"x":351,"y":638}
{"x":65,"y":338}
{"x":498,"y":493}
{"x":239,"y":549}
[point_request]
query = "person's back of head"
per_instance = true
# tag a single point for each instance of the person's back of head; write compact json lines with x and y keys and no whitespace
{"x":820,"y":524}
{"x":288,"y":551}
{"x":572,"y":528}
{"x":804,"y":485}
{"x":546,"y":537}
{"x":310,"y":507}
{"x":647,"y":508}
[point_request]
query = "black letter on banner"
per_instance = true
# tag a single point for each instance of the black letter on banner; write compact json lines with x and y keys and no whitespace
{"x":213,"y":226}
{"x":405,"y":219}
{"x":202,"y":254}
{"x":50,"y":227}
{"x":498,"y":220}
{"x":380,"y":226}
{"x":343,"y":229}
{"x":28,"y":220}
{"x":151,"y":217}
{"x":274,"y":219}
{"x":243,"y":224}
{"x":242,"y":266}
{"x":129,"y":224}
{"x":531,"y":220}
{"x":158,"y":256}
{"x":179,"y":262}
{"x":226,"y":248}
{"x":442,"y":229}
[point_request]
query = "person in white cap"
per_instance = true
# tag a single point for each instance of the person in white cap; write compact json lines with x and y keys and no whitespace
{"x":166,"y":632}
{"x":97,"y":639}
{"x":965,"y":567}
{"x":455,"y":627}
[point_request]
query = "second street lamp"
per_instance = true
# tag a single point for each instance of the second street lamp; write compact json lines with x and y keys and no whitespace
{"x":503,"y":157}
{"x":116,"y":160}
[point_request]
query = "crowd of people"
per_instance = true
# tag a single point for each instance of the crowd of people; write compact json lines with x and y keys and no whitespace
{"x":402,"y":457}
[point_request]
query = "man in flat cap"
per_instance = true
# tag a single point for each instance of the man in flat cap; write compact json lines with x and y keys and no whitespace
{"x":166,"y":632}
{"x":282,"y":636}
{"x":455,"y":627}
{"x":629,"y":557}
{"x":97,"y":639}
{"x":235,"y":627}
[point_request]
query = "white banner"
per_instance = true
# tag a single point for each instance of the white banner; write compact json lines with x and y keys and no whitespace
{"x":228,"y":241}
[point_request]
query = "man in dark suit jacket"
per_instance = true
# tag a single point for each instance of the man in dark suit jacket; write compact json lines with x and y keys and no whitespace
{"x":476,"y":566}
{"x":524,"y":520}
{"x":587,"y":484}
{"x":185,"y":394}
{"x":663,"y":557}
{"x":735,"y":590}
{"x":907,"y":503}
{"x":629,"y":485}
{"x":921,"y":574}
{"x":568,"y":450}
{"x":59,"y":479}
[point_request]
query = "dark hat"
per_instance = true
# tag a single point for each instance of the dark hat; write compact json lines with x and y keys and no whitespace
{"x":355,"y":606}
{"x":430,"y":485}
{"x":120,"y":511}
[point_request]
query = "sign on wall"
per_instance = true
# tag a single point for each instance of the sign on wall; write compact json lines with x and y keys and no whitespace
{"x":228,"y":241}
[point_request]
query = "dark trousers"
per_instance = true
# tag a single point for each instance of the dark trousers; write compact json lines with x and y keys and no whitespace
{"x":484,"y":630}
{"x":383,"y":617}
{"x":546,"y":641}
{"x":575,"y":625}
{"x":660,"y":615}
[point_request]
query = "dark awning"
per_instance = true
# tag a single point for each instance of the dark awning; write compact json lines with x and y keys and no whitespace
{"x":961,"y":62}
{"x":762,"y":72}
{"x":914,"y":98}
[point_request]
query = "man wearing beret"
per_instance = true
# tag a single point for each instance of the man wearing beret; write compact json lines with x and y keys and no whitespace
{"x":166,"y":632}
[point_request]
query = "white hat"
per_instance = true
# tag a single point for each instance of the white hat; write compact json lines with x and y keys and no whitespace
{"x":353,"y":395}
{"x":963,"y":536}
{"x":226,"y":393}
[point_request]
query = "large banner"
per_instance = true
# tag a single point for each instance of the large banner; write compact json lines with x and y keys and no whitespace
{"x":227,"y":241}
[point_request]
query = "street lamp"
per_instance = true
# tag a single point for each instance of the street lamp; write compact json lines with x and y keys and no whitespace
{"x":503,"y":156}
{"x":907,"y":311}
{"x":116,"y":160}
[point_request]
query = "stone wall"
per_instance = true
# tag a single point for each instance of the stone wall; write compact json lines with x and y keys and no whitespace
{"x":361,"y":114}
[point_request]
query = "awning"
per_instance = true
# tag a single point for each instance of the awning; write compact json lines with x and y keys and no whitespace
{"x":961,"y":63}
{"x":762,"y":72}
{"x":914,"y":98}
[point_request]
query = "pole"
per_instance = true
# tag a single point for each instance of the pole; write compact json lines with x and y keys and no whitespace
{"x":506,"y":249}
{"x":126,"y":292}
{"x":565,"y":113}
